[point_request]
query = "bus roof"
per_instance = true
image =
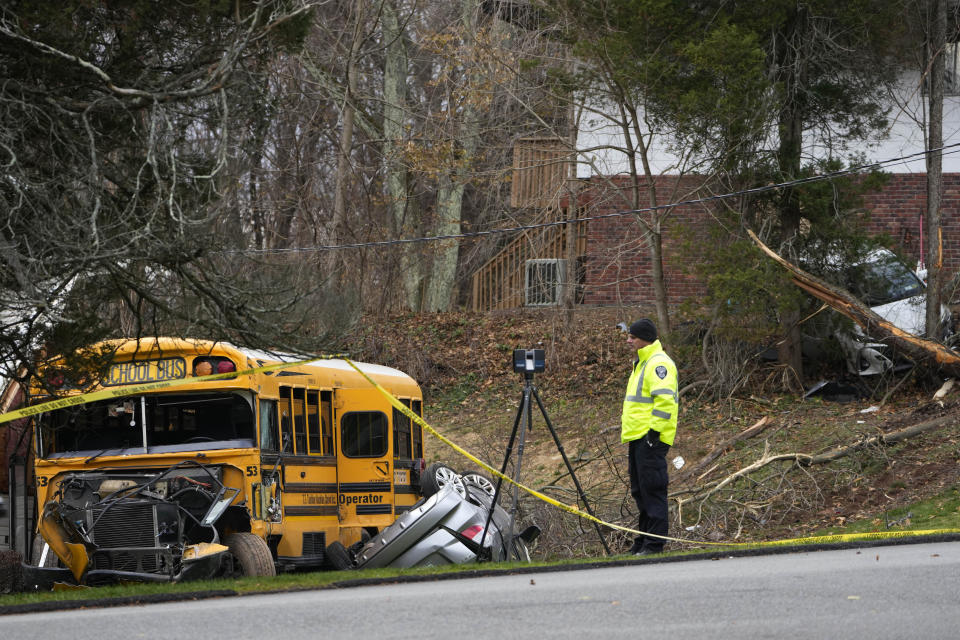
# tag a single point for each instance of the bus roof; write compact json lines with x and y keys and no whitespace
{"x":157,"y":346}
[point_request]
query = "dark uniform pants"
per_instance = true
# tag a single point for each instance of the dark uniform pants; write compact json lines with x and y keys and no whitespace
{"x":648,"y":486}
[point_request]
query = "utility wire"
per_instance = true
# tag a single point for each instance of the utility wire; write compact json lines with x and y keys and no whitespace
{"x":951,"y":148}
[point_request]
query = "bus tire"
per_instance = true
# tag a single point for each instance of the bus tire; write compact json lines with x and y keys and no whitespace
{"x":252,"y":554}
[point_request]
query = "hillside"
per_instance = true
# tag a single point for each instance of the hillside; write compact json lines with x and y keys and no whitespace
{"x":472,"y":396}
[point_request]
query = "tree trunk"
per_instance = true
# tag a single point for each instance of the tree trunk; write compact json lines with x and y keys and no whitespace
{"x":333,"y":260}
{"x":936,"y":44}
{"x":403,"y":207}
{"x":631,"y":118}
{"x":449,"y":211}
{"x":571,"y":229}
{"x":443,"y":270}
{"x":789,"y":157}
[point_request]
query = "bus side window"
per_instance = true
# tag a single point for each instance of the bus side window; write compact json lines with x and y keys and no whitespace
{"x":326,"y":415}
{"x":416,"y":432}
{"x":268,"y":425}
{"x":401,"y":433}
{"x":299,"y":421}
{"x":286,"y":424}
{"x":364,"y":434}
{"x":313,"y":424}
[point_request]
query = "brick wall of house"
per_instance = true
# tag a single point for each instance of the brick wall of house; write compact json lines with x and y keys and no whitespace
{"x":618,"y":266}
{"x":618,"y":262}
{"x":897,"y":210}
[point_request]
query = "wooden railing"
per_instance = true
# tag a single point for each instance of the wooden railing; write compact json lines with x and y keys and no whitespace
{"x":499,"y":284}
{"x":542,"y":177}
{"x":541,"y":167}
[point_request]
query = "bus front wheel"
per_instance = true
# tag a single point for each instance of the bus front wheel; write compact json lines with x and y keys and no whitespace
{"x":251,"y":555}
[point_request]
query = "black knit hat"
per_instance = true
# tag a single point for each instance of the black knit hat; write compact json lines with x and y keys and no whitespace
{"x":644,"y":329}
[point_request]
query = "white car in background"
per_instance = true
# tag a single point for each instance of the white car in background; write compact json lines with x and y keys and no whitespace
{"x":895,"y":293}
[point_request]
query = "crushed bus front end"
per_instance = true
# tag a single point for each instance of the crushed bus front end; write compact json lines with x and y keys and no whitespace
{"x":142,"y":525}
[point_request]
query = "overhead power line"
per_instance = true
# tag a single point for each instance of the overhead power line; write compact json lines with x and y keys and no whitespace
{"x":951,"y":148}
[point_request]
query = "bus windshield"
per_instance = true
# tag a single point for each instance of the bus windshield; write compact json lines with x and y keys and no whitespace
{"x":156,"y":423}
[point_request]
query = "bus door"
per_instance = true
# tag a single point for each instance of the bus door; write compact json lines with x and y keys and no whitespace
{"x":309,"y":472}
{"x":407,"y":456}
{"x":365,"y":461}
{"x":267,"y":493}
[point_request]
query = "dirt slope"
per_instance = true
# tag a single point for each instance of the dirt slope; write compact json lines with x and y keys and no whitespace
{"x":472,"y":396}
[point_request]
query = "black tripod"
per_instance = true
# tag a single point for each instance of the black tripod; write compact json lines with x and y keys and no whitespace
{"x":524,"y":410}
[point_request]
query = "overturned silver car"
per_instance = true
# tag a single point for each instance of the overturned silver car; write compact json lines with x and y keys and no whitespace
{"x":456,"y":524}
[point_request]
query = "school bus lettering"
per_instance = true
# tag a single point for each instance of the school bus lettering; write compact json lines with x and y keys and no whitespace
{"x":327,"y":500}
{"x":370,"y":498}
{"x":146,"y":371}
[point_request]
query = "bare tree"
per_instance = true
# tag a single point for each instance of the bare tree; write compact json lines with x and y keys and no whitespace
{"x":116,"y":125}
{"x":936,"y":45}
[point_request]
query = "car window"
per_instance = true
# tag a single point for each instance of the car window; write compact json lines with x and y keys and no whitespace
{"x":883,"y":280}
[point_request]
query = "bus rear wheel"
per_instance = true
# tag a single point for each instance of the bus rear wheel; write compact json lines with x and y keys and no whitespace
{"x":251,"y":555}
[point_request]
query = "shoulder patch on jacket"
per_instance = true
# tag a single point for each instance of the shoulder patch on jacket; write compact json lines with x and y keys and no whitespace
{"x":661,"y":371}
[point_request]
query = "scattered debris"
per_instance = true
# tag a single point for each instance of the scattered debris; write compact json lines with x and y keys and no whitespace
{"x":944,"y":389}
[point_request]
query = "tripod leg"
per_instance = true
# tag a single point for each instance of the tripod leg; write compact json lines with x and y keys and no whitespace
{"x":516,"y":471}
{"x":566,"y":461}
{"x":524,"y":405}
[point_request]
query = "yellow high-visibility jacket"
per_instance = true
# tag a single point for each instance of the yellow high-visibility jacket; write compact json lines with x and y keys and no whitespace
{"x":651,"y":400}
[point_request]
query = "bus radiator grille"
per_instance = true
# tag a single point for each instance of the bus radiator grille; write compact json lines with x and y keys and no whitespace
{"x":125,"y":526}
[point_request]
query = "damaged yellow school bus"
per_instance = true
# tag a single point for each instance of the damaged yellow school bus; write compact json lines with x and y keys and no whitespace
{"x":246,"y":475}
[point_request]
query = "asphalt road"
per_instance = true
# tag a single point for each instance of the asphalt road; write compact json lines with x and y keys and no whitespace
{"x":907,"y":591}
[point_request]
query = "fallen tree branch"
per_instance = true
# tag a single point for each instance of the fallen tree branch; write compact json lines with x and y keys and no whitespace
{"x":806,"y":460}
{"x":922,"y":351}
{"x":886,"y":438}
{"x":715,"y":453}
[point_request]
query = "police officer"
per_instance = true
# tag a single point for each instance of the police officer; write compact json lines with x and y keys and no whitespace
{"x":649,"y":424}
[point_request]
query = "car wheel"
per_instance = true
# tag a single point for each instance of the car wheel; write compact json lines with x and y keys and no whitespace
{"x":338,"y":556}
{"x":479,"y":481}
{"x":439,"y":475}
{"x":252,"y":554}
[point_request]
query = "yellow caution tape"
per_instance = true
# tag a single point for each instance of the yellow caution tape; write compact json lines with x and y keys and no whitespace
{"x":847,"y":537}
{"x":130,"y":390}
{"x":104,"y":394}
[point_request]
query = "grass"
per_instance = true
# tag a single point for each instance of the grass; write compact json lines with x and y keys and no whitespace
{"x":454,"y":395}
{"x":942,"y":511}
